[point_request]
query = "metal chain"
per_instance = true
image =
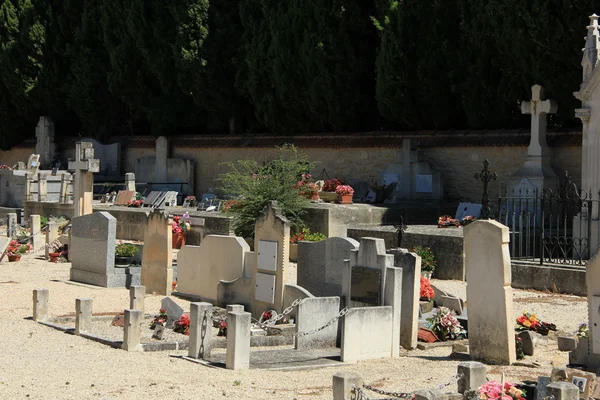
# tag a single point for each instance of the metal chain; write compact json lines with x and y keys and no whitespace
{"x":405,"y":395}
{"x":269,"y":324}
{"x":358,"y":394}
{"x":333,"y":320}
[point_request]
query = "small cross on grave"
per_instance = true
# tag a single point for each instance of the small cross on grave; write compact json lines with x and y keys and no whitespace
{"x":486,"y":176}
{"x":538,"y":107}
{"x":83,"y":189}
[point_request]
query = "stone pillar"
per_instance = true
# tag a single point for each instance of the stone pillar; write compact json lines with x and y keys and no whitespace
{"x":162,"y":155}
{"x":238,"y":340}
{"x":40,"y":304}
{"x":131,"y":333}
{"x":45,"y":147}
{"x":562,"y":391}
{"x":343,"y":383}
{"x":473,"y":376}
{"x":83,"y":315}
{"x":157,"y":257}
{"x":51,"y":235}
{"x":489,"y":294}
{"x":11,"y":225}
{"x":29,"y":181}
{"x":130,"y":181}
{"x":235,"y":308}
{"x":200,"y":330}
{"x":36,"y":232}
{"x":136,"y":297}
{"x":411,"y":285}
{"x":42,"y":187}
{"x":83,"y":190}
{"x":65,"y":182}
{"x":393,"y":297}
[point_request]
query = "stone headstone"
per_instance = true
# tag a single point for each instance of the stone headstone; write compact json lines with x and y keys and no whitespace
{"x":170,"y":199}
{"x":465,"y":209}
{"x":45,"y":146}
{"x":92,"y":250}
{"x":321,"y":265}
{"x":272,"y":254}
{"x":36,"y":233}
{"x":542,"y":387}
{"x":151,"y":199}
{"x":489,"y":294}
{"x":157,"y":258}
{"x":411,"y":285}
{"x":109,"y":156}
{"x":83,"y":188}
{"x":528,"y":343}
{"x":172,"y":309}
{"x":11,"y":225}
{"x":200,"y":268}
{"x":130,"y":181}
{"x":124,"y":197}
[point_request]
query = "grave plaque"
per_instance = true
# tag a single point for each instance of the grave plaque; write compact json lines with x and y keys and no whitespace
{"x":424,"y":183}
{"x":159,"y":331}
{"x":265,"y":288}
{"x":267,"y":255}
{"x":124,"y":197}
{"x":365,"y":285}
{"x":388,"y":179}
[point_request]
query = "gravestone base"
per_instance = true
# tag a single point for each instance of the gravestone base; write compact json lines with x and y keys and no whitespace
{"x":123,"y":277}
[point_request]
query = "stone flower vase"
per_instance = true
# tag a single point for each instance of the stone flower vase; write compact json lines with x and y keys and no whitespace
{"x":178,"y":240}
{"x":293,"y":252}
{"x":328,"y":196}
{"x":427,"y":274}
{"x":345,"y":198}
{"x":14,"y":257}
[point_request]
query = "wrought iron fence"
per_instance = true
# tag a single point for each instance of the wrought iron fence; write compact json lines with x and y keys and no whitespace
{"x":553,"y":226}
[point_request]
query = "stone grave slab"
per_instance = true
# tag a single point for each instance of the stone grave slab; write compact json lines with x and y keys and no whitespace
{"x":92,"y":250}
{"x":170,"y":199}
{"x":151,"y":199}
{"x":465,"y":209}
{"x":124,"y":197}
{"x":172,"y":309}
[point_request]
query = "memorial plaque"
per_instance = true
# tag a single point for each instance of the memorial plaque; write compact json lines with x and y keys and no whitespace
{"x":365,"y":285}
{"x":267,"y":255}
{"x":424,"y":183}
{"x":265,"y":288}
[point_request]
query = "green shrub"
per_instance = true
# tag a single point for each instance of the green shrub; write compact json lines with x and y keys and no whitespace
{"x":250,"y":186}
{"x":126,"y":250}
{"x":43,"y":221}
{"x":428,"y":259}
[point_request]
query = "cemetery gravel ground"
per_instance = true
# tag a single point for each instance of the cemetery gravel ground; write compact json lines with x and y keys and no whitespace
{"x":42,"y":363}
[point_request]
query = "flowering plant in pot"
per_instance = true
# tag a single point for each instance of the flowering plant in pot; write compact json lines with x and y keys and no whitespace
{"x":327,"y":192}
{"x":182,"y":325}
{"x":426,"y":292}
{"x":160,"y":319}
{"x":15,"y":250}
{"x":345,"y":193}
{"x":303,"y":236}
{"x":307,"y":188}
{"x":180,"y":228}
{"x":124,"y":253}
{"x":55,"y":250}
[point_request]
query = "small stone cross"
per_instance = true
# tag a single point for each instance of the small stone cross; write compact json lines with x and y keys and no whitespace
{"x":83,"y":190}
{"x":538,"y":107}
{"x":486,"y":176}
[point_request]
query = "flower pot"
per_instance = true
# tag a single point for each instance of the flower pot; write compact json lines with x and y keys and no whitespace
{"x":427,"y":274}
{"x":426,"y":306}
{"x":54,"y":257}
{"x":345,"y":199}
{"x":120,"y":260}
{"x":293,"y":252}
{"x":178,"y":240}
{"x":312,"y":196}
{"x":14,"y":257}
{"x":329,"y":196}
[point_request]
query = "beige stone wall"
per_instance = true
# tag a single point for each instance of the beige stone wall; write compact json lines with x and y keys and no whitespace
{"x":11,"y":157}
{"x":457,"y":164}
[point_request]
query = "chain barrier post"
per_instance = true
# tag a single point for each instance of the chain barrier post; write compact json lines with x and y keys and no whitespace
{"x":200,"y":343}
{"x":343,"y":384}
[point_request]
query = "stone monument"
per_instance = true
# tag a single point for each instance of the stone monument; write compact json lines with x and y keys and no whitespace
{"x":157,"y":258}
{"x":83,"y":188}
{"x":45,"y":146}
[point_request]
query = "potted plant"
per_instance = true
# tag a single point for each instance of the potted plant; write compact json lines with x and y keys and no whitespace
{"x":180,"y":228}
{"x":345,"y":193}
{"x":426,"y":293}
{"x":55,"y":250}
{"x":304,"y":236}
{"x":124,"y":253}
{"x":378,"y":189}
{"x":307,"y":188}
{"x":428,"y":260}
{"x":328,"y":193}
{"x":15,"y":250}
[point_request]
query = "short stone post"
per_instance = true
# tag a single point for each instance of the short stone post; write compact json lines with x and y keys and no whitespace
{"x":83,"y":315}
{"x":562,"y":391}
{"x":238,"y":340}
{"x":430,"y":394}
{"x":235,"y":308}
{"x":472,"y":376}
{"x":29,"y":186}
{"x":65,"y":181}
{"x":130,"y":181}
{"x":136,"y":297}
{"x":343,"y":382}
{"x":42,"y":187}
{"x":11,"y":225}
{"x":200,"y":343}
{"x":51,"y":236}
{"x":131,"y":333}
{"x":36,"y":232}
{"x":40,"y":304}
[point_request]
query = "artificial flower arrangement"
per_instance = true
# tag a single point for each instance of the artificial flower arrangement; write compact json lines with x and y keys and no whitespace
{"x":182,"y":325}
{"x":4,"y":166}
{"x":344,"y":190}
{"x":135,"y":203}
{"x":467,"y":220}
{"x":191,"y":200}
{"x":446,"y":221}
{"x":493,"y":390}
{"x":17,"y":249}
{"x":307,"y":236}
{"x":160,"y":319}
{"x":426,"y":292}
{"x":530,"y":322}
{"x":222,"y":328}
{"x":519,"y":348}
{"x":180,"y":226}
{"x":331,"y":185}
{"x":445,"y":325}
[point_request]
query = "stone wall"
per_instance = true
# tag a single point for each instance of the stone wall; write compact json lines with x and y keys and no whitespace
{"x":16,"y":154}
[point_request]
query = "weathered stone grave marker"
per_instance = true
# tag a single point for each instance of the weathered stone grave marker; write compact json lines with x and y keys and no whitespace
{"x":124,"y":197}
{"x":172,"y":309}
{"x":157,"y":258}
{"x":83,"y":188}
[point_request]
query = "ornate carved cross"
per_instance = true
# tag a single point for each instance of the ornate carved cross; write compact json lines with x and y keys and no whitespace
{"x":485,"y":176}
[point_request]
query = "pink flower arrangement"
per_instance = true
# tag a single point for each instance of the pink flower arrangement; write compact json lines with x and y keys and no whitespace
{"x":344,"y":189}
{"x":494,"y":390}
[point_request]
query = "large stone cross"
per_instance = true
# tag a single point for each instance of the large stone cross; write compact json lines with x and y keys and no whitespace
{"x":538,"y":107}
{"x":83,"y":188}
